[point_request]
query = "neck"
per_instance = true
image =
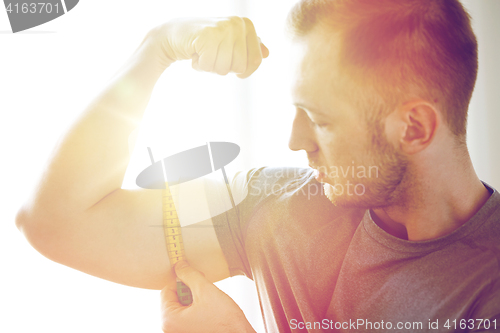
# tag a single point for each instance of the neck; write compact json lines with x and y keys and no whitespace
{"x":436,"y":200}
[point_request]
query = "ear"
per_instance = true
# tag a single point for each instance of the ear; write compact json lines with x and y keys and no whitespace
{"x":418,"y":122}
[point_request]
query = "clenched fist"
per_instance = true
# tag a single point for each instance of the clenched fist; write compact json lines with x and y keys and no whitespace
{"x":218,"y":45}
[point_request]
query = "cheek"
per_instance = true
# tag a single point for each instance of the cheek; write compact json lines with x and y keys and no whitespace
{"x":329,"y":145}
{"x":393,"y":128}
{"x":343,"y":147}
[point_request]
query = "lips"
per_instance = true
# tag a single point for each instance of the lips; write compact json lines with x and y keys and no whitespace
{"x":320,"y":176}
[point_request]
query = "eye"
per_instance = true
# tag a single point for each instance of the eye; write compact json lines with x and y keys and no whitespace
{"x":317,"y":120}
{"x":319,"y":124}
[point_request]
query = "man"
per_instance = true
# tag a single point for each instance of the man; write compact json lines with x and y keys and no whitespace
{"x":405,"y":237}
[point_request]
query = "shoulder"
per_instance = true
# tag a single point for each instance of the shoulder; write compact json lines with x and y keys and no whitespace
{"x":253,"y":187}
{"x":487,"y":234}
{"x":283,"y":193}
{"x":484,"y":240}
{"x":267,"y":181}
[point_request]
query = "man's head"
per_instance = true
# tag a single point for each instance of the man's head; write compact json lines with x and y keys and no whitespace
{"x":371,"y":67}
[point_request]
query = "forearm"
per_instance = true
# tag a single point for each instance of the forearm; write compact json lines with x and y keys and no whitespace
{"x":91,"y":159}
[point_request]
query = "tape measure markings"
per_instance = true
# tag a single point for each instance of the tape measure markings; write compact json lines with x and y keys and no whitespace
{"x":175,"y":244}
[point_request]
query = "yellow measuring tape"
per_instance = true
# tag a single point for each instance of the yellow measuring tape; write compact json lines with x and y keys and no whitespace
{"x":171,"y":223}
{"x":175,"y":245}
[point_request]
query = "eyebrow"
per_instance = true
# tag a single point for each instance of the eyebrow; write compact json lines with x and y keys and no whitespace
{"x":309,"y":109}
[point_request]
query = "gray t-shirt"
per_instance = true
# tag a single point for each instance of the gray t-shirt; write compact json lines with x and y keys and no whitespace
{"x":319,"y":267}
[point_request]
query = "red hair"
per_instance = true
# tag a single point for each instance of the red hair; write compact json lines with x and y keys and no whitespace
{"x":401,"y":48}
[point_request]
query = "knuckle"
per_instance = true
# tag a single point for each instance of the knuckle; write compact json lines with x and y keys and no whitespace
{"x":236,"y":19}
{"x":237,"y":22}
{"x":248,"y":22}
{"x":189,"y":273}
{"x":184,"y":271}
{"x":223,"y":24}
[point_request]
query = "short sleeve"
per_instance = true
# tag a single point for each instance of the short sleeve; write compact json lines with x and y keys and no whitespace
{"x":259,"y":186}
{"x":229,"y":225}
{"x":487,"y":309}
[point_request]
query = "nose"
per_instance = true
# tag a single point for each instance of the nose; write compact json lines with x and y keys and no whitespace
{"x":302,"y":136}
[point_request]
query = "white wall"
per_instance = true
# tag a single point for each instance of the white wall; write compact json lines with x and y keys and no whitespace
{"x":484,"y":110}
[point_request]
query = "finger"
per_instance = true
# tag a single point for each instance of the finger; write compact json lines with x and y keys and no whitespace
{"x":193,"y":278}
{"x":169,"y":300}
{"x":239,"y":60}
{"x":224,"y":54}
{"x":254,"y":55}
{"x":206,"y":55}
{"x":264,"y":50}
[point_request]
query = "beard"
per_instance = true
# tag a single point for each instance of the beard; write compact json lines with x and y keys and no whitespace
{"x":386,"y":188}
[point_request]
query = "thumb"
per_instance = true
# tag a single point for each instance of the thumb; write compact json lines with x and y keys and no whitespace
{"x":265,"y":51}
{"x":169,"y":300}
{"x":193,"y":278}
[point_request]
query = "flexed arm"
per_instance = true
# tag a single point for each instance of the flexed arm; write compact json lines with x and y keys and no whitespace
{"x":78,"y":215}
